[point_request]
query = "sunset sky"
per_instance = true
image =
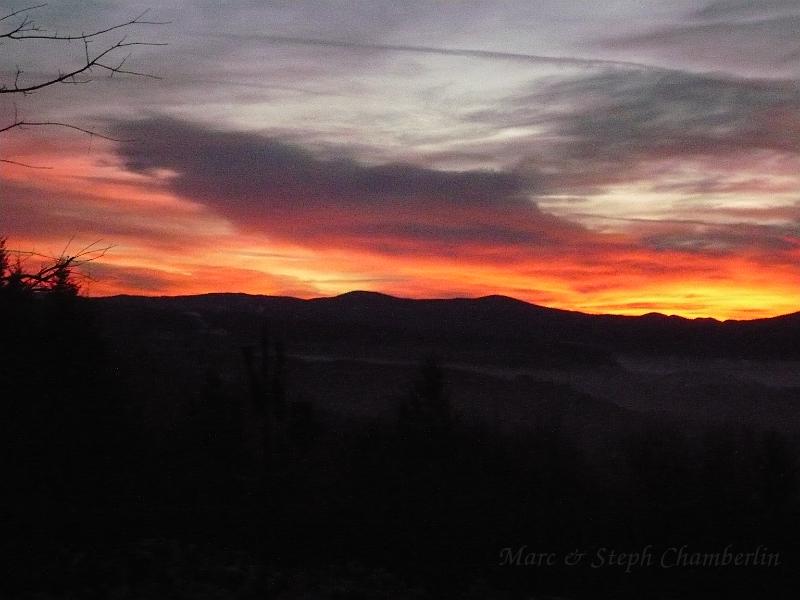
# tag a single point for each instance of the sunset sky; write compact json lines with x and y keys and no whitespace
{"x":623,"y":156}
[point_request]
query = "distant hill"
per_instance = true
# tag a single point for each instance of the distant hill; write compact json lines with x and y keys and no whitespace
{"x":494,"y":327}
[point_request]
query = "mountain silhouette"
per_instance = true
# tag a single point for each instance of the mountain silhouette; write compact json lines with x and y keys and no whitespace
{"x":487,"y":322}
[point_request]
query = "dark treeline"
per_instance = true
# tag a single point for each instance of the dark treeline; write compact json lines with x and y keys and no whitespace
{"x":249,"y":490}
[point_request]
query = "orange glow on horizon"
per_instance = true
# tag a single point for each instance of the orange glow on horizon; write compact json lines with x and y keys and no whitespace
{"x":753,"y":293}
{"x":167,"y":245}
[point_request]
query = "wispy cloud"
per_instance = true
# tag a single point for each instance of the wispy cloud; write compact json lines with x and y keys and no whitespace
{"x":727,"y":9}
{"x":569,"y":61}
{"x":727,"y":34}
{"x":614,"y":127}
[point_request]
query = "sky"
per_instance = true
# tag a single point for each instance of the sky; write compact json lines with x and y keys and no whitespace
{"x":625,"y":156}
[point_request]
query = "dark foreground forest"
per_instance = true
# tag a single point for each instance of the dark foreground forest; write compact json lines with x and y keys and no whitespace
{"x":229,"y":446}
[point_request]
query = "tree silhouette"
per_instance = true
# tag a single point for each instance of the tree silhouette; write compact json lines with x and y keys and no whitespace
{"x":59,"y":275}
{"x":61,"y":415}
{"x":426,"y":410}
{"x":61,"y":421}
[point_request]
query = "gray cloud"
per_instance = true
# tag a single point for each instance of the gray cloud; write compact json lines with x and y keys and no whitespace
{"x":613,"y":126}
{"x":234,"y":168}
{"x":736,"y":35}
{"x":667,"y":113}
{"x":723,"y":239}
{"x":264,"y":184}
{"x":726,"y":9}
{"x":765,"y":41}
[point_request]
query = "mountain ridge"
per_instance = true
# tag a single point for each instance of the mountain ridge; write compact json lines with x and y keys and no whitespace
{"x":511,"y":326}
{"x":497,"y":299}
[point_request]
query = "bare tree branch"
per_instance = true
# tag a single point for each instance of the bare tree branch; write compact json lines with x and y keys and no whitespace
{"x":22,"y":164}
{"x":16,"y":34}
{"x":20,"y":11}
{"x":23,"y":124}
{"x":87,"y":67}
{"x":106,"y":60}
